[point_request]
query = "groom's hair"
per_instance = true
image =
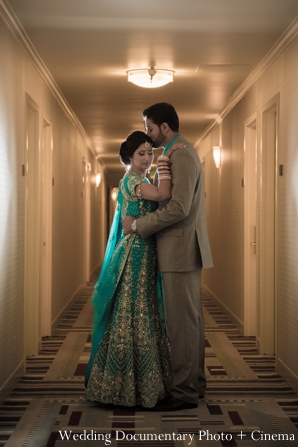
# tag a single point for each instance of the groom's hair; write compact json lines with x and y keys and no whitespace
{"x":163,"y":113}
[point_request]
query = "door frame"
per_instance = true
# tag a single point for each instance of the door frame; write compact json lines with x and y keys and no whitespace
{"x":86,"y":194}
{"x":268,"y":226}
{"x":46,"y":249}
{"x":32,"y":304}
{"x":250,"y":222}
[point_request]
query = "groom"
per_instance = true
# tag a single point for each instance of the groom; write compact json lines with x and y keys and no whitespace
{"x":183,"y":250}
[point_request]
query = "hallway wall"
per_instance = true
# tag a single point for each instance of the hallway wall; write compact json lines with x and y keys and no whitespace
{"x":21,"y":78}
{"x":225,"y":205}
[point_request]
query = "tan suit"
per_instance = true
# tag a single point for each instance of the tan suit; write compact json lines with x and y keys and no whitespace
{"x":183,"y":249}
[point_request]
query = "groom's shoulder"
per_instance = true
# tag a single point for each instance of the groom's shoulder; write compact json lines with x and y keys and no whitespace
{"x":189,"y":148}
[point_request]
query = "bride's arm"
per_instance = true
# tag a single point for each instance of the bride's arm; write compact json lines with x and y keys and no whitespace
{"x":156,"y":193}
{"x":163,"y":190}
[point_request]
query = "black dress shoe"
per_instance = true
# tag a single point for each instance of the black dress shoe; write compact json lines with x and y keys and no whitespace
{"x":172,"y":404}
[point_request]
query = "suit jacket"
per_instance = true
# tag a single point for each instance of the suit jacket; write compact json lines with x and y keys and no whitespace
{"x":180,"y":224}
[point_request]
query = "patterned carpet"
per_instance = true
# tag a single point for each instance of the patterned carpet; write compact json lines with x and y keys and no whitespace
{"x":246,"y":401}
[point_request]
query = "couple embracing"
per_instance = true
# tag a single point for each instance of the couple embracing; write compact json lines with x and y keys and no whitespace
{"x":148,"y":327}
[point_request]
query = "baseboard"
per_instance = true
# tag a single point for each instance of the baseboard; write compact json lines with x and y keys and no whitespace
{"x":56,"y":321}
{"x":226,"y":310}
{"x":96,"y":269}
{"x":287,"y":375}
{"x":12,"y":382}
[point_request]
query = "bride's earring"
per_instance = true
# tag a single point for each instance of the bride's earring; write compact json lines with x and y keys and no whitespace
{"x":130,"y":166}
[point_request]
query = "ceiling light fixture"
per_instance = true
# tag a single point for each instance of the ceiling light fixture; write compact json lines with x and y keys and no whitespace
{"x":150,"y":78}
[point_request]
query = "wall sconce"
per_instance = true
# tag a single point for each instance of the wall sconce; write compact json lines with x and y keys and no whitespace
{"x":114,"y":194}
{"x":217,"y":155}
{"x":97,"y":179}
{"x":150,"y":78}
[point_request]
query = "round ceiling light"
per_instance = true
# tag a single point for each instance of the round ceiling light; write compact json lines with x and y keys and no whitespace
{"x":150,"y":78}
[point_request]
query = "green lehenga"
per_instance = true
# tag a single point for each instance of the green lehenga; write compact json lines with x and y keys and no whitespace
{"x":130,"y":358}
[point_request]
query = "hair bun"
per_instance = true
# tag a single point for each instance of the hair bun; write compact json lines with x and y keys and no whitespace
{"x":131,"y":144}
{"x":123,"y":154}
{"x":123,"y":147}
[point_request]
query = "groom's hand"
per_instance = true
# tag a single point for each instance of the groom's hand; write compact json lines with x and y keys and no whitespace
{"x":126,"y":224}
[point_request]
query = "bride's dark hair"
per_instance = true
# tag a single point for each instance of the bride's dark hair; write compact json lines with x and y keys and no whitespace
{"x":131,"y":144}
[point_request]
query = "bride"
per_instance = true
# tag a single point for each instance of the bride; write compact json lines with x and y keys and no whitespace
{"x":130,"y":361}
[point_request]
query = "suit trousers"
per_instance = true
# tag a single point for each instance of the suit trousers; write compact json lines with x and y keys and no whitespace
{"x":185,"y":323}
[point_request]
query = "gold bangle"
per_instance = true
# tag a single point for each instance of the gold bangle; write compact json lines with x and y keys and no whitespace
{"x":164,"y":177}
{"x":163,"y":158}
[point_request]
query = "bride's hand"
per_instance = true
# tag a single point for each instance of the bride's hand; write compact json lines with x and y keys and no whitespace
{"x":174,"y":148}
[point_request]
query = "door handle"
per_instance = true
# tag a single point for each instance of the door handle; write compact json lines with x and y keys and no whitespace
{"x":254,"y":244}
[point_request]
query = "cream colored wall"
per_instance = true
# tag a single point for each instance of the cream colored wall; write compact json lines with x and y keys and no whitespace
{"x":18,"y":78}
{"x":225,"y":204}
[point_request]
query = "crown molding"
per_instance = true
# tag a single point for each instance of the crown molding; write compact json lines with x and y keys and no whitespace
{"x":18,"y":31}
{"x":286,"y":38}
